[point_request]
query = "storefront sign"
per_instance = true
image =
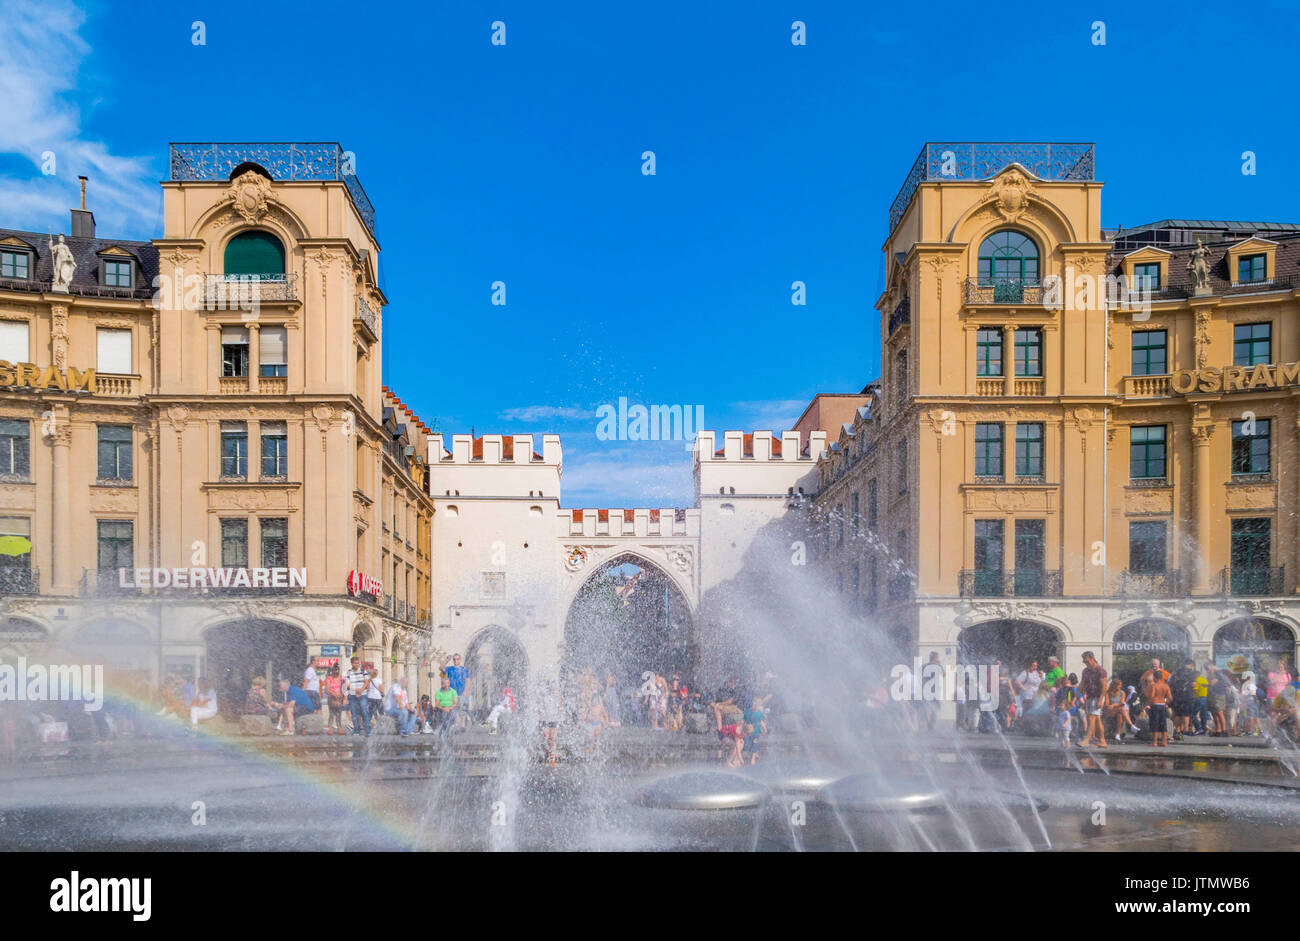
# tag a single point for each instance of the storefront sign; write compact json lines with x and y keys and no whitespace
{"x":360,"y":583}
{"x":330,"y":650}
{"x":212,"y":578}
{"x":1235,"y":378}
{"x":45,"y":378}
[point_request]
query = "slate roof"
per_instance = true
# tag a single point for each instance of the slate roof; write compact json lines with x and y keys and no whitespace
{"x":86,"y":280}
{"x":1286,"y":271}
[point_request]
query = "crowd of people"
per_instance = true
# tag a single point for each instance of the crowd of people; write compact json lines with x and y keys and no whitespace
{"x":1191,"y":700}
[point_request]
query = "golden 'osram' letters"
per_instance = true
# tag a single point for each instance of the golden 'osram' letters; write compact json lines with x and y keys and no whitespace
{"x":1210,"y":379}
{"x":30,"y":376}
{"x":1234,"y":379}
{"x":1184,"y":381}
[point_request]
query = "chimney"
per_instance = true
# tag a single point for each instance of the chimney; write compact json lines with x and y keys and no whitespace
{"x":83,"y":220}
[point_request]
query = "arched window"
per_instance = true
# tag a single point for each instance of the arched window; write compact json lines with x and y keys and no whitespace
{"x":1009,"y":260}
{"x":255,"y":253}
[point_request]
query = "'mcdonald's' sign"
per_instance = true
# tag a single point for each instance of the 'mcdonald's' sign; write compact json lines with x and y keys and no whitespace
{"x":360,"y":583}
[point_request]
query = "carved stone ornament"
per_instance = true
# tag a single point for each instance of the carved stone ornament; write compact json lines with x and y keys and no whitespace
{"x":971,"y":612}
{"x":179,"y":416}
{"x":248,"y":196}
{"x":575,"y":558}
{"x":322,"y":415}
{"x":680,"y":558}
{"x":1011,"y":194}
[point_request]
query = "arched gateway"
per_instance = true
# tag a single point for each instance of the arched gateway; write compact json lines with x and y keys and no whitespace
{"x":629,"y":616}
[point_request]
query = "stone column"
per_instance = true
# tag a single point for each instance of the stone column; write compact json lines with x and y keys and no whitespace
{"x":1201,"y":435}
{"x":254,"y":355}
{"x":1009,"y":359}
{"x":62,"y":578}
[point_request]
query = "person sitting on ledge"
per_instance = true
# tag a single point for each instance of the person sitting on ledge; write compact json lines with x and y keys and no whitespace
{"x":292,"y":703}
{"x":204,"y":704}
{"x":257,"y":703}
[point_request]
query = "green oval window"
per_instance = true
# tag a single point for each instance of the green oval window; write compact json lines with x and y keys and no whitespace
{"x":254,"y":253}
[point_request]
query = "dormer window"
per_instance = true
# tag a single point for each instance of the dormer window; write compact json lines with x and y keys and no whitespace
{"x":1252,"y":268}
{"x":117,"y":274}
{"x":16,"y":265}
{"x":1146,"y":276}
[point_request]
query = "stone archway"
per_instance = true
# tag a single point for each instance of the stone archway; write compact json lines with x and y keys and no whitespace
{"x":241,"y":649}
{"x":1253,"y":644}
{"x":629,"y":616}
{"x":1011,"y":642}
{"x":1137,"y":642}
{"x":495,"y":659}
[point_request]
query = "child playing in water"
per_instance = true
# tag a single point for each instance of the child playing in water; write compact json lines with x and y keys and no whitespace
{"x":1063,"y":723}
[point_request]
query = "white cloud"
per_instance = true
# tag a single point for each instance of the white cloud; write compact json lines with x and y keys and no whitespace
{"x":41,"y":53}
{"x":536,"y":413}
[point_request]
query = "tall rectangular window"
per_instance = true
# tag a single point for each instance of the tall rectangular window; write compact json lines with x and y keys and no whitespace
{"x":15,"y":449}
{"x":1030,"y":554}
{"x":1251,"y":556}
{"x":234,"y":352}
{"x":275,"y":449}
{"x":114,"y":452}
{"x":234,"y":449}
{"x":839,"y":524}
{"x":1029,"y":449}
{"x":14,"y":265}
{"x":14,"y":345}
{"x":1146,"y":276}
{"x":901,"y":372}
{"x":902,"y":465}
{"x":1147,"y":549}
{"x":1252,"y":344}
{"x":1150,"y":356}
{"x":234,"y":543}
{"x":275,"y":542}
{"x":1252,"y":268}
{"x":855,"y":514}
{"x":1146,"y":452}
{"x":273,"y":361}
{"x":1251,"y":453}
{"x":16,"y":562}
{"x":116,"y":549}
{"x":989,"y":556}
{"x":1029,"y":352}
{"x":988,"y":449}
{"x":872,"y":504}
{"x":114,"y":351}
{"x":988,"y":351}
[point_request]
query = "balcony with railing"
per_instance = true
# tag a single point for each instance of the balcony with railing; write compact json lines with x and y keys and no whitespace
{"x":971,"y":161}
{"x":1016,"y":292}
{"x":1009,"y":583}
{"x":1166,"y":584}
{"x":367,"y":318}
{"x":19,"y":580}
{"x":232,"y":385}
{"x":285,"y":162}
{"x":105,"y":582}
{"x":1241,"y":580}
{"x":116,"y":385}
{"x":1147,"y":387}
{"x":902,"y":315}
{"x":243,"y":291}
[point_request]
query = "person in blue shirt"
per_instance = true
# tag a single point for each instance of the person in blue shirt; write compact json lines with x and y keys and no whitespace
{"x":458,"y":676}
{"x":292,"y":701}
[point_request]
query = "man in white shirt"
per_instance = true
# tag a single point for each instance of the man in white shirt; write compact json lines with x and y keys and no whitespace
{"x":1027,"y":683}
{"x":398,"y":707}
{"x":311,"y":684}
{"x":204,"y":705}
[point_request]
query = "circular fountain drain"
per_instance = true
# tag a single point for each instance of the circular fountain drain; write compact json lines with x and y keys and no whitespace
{"x":868,"y":792}
{"x":703,"y":790}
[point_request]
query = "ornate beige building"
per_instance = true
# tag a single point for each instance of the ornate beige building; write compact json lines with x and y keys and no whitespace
{"x":1082,"y":439}
{"x":201,"y":471}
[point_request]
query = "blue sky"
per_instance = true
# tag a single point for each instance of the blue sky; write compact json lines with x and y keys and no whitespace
{"x":522,"y":163}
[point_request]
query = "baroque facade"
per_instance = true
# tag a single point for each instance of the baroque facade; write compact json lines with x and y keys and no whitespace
{"x":1081,"y":438}
{"x":231,"y":490}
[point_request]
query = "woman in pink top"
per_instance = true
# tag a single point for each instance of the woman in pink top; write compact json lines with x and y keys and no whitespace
{"x":1278,"y":678}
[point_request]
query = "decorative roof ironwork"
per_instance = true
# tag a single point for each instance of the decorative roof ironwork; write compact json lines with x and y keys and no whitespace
{"x":982,"y":161}
{"x":214,"y":162}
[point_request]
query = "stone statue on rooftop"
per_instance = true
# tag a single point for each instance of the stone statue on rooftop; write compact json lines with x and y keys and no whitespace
{"x":64,"y":264}
{"x":1199,"y":266}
